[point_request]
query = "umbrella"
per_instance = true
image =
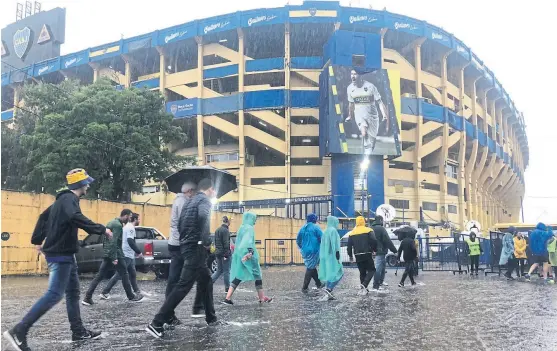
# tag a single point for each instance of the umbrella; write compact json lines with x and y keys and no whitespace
{"x":405,"y":232}
{"x":223,"y":181}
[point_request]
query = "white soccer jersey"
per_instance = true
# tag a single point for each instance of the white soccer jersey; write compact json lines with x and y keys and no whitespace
{"x":364,"y":100}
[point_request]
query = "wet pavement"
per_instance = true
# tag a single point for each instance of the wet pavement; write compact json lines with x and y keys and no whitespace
{"x":444,"y":312}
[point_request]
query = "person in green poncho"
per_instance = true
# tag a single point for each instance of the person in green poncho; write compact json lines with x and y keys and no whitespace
{"x":552,"y":250}
{"x":330,"y":267}
{"x":245,"y":260}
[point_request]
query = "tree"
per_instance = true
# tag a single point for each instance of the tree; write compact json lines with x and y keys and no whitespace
{"x":119,"y":137}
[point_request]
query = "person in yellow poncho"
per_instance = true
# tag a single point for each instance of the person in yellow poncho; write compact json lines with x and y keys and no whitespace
{"x":520,"y":253}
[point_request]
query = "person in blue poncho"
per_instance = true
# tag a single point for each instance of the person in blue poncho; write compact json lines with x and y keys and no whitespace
{"x":309,"y":240}
{"x":245,"y":260}
{"x":507,"y":253}
{"x":330,"y":266}
{"x":538,"y":244}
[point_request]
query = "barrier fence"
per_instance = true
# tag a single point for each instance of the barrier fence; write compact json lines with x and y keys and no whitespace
{"x":282,"y":252}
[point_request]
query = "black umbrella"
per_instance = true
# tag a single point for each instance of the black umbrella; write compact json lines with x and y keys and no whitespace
{"x":405,"y":232}
{"x":223,"y":181}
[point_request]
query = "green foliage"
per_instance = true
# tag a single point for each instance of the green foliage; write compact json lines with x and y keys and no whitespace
{"x":119,"y":137}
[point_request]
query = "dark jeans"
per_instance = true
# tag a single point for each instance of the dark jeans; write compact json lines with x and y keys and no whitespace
{"x":174,"y":272}
{"x":194,"y":270}
{"x":130,"y":267}
{"x":223,"y":268}
{"x":408,"y":272}
{"x":380,"y":266}
{"x":520,"y":266}
{"x":311,"y":274}
{"x":474,"y":262}
{"x":511,"y":265}
{"x":62,"y":279}
{"x":122,"y":271}
{"x":367,"y":271}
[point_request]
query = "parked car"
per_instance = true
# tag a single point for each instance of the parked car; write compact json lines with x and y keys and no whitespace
{"x":152,"y":243}
{"x":212,"y":262}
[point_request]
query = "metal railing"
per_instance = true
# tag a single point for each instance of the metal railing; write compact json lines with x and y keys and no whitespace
{"x":281,"y":252}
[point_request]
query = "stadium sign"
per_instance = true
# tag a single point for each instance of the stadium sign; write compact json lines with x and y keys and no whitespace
{"x":212,"y":27}
{"x":21,"y":41}
{"x":44,"y":35}
{"x":356,"y":19}
{"x":174,"y":36}
{"x":259,"y":19}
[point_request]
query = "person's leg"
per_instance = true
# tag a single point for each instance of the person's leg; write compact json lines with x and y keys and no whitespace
{"x":59,"y":274}
{"x":187,"y":279}
{"x":232,"y":288}
{"x":198,"y":306}
{"x":72,"y":301}
{"x":174,"y":271}
{"x":370,"y":268}
{"x":105,"y":265}
{"x":226,"y":270}
{"x":404,"y":275}
{"x":379,"y":266}
{"x":533,"y":267}
{"x":383,"y":269}
{"x":307,"y":279}
{"x":123,"y":271}
{"x":315,"y":276}
{"x":205,"y":289}
{"x":219,"y":270}
{"x":363,"y":271}
{"x":546,"y":267}
{"x":111,"y":283}
{"x":411,"y":271}
{"x":130,"y":264}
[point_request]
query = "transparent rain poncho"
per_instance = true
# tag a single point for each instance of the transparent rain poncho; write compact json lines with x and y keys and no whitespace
{"x":245,"y":242}
{"x":330,"y":269}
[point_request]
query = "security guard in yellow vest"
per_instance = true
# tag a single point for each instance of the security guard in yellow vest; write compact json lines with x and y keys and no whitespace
{"x":474,"y":251}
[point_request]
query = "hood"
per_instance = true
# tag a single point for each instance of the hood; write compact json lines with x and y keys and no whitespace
{"x":249,"y":218}
{"x":312,"y":218}
{"x":360,"y":221}
{"x":63,"y":192}
{"x":541,"y":226}
{"x":360,"y":226}
{"x":332,"y":222}
{"x":378,"y":220}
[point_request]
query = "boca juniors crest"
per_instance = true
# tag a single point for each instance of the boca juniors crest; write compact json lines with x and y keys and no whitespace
{"x":22,"y":39}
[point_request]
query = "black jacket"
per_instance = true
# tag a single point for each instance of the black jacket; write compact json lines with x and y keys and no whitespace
{"x":195,"y":221}
{"x":222,"y":241}
{"x":407,"y":248}
{"x":384,"y":243}
{"x":362,"y":244}
{"x":57,"y":226}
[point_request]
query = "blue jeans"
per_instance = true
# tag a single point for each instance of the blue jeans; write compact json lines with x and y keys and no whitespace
{"x":62,"y":279}
{"x":332,"y":285}
{"x":129,"y":263}
{"x":380,"y":265}
{"x":223,"y":268}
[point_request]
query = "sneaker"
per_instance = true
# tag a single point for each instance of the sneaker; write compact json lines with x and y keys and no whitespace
{"x":266,"y":300}
{"x":215,"y":323}
{"x":174,"y":321}
{"x":401,"y":285}
{"x":549,"y":281}
{"x":375,"y":290}
{"x":227,"y":302}
{"x":329,"y":294}
{"x":104,"y":296}
{"x":510,"y":278}
{"x":87,"y":301}
{"x":157,"y":332}
{"x":381,"y":288}
{"x":414,"y":284}
{"x":198,"y":314}
{"x":476,"y":274}
{"x":384,"y":284}
{"x":18,"y":341}
{"x":305,"y":291}
{"x":86,"y":335}
{"x":363,"y":291}
{"x":527,"y":277}
{"x":137,"y":298}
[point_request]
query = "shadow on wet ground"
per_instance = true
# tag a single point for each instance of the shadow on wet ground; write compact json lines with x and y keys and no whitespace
{"x":444,"y":312}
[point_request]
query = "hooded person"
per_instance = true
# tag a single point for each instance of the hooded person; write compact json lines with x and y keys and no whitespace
{"x":384,"y":245}
{"x":330,"y":266}
{"x":245,"y":260}
{"x":308,"y":241}
{"x":520,"y":253}
{"x":507,"y":253}
{"x":538,"y":244}
{"x":362,"y":244}
{"x":409,"y":252}
{"x":552,"y":254}
{"x":474,"y":251}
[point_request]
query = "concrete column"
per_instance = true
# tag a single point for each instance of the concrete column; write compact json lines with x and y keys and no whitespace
{"x":471,"y":168}
{"x":95,"y":67}
{"x":200,"y":139}
{"x":241,"y":121}
{"x":444,"y":140}
{"x":17,"y":93}
{"x":162,"y":72}
{"x":463,"y":179}
{"x":418,"y":135}
{"x":287,"y":110}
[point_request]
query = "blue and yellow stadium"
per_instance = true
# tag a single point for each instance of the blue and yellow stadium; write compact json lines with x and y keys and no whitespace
{"x":266,"y":94}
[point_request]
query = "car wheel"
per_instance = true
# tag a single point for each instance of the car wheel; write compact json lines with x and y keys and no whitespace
{"x":214,"y":266}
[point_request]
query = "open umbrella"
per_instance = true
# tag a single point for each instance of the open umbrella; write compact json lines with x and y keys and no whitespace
{"x":223,"y":181}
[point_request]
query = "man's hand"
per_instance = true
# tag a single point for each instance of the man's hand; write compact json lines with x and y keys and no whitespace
{"x":109,"y":233}
{"x":39,"y":249}
{"x":247,"y":257}
{"x":115,"y":262}
{"x":351,"y":259}
{"x":139,"y":255}
{"x":348,"y":118}
{"x":225,"y":258}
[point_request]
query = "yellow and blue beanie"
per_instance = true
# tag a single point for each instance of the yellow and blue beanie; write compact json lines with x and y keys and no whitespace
{"x":78,"y":178}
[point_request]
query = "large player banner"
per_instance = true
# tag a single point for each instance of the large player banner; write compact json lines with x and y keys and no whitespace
{"x":364,"y":112}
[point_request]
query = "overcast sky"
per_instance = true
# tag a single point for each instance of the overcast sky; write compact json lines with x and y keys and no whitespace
{"x":511,"y":37}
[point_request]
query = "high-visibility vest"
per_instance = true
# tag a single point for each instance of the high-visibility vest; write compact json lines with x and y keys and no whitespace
{"x":474,"y":247}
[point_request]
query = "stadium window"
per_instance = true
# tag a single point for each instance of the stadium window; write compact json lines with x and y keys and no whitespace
{"x":430,"y":186}
{"x":404,"y":183}
{"x":304,"y":180}
{"x":452,"y":209}
{"x":310,"y":161}
{"x":429,"y":206}
{"x":452,"y":189}
{"x":304,"y":141}
{"x":401,"y":204}
{"x":451,"y":170}
{"x":232,"y":156}
{"x":267,"y":181}
{"x":401,"y":165}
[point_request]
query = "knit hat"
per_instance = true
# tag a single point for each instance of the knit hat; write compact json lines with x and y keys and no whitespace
{"x":312,"y":217}
{"x":78,"y":178}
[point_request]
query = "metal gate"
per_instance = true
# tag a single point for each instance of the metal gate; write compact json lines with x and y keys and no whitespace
{"x":441,"y":254}
{"x":282,"y":252}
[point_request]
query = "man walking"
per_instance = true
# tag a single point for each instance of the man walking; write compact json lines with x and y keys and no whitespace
{"x":194,"y":226}
{"x":384,"y":244}
{"x":538,"y":244}
{"x":113,"y":257}
{"x":131,"y":251}
{"x":222,"y":254}
{"x":57,"y":227}
{"x":363,"y":243}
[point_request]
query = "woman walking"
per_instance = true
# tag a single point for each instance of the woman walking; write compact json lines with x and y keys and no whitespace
{"x":309,"y":240}
{"x":330,"y":266}
{"x":245,"y":260}
{"x":507,"y":253}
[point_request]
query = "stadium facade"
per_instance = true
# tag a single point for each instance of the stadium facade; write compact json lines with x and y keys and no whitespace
{"x":246,"y":88}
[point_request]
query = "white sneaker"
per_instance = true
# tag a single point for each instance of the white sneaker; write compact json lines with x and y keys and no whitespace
{"x":363,"y":291}
{"x":384,"y":284}
{"x":375,"y":290}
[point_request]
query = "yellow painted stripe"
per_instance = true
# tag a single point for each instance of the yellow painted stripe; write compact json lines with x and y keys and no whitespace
{"x":331,"y":73}
{"x":341,"y":128}
{"x":337,"y":107}
{"x":104,"y":51}
{"x":334,"y":87}
{"x":319,"y":13}
{"x":345,"y":147}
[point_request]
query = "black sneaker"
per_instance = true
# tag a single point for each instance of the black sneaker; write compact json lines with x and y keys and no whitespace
{"x":305,"y":291}
{"x":18,"y":340}
{"x":174,"y":321}
{"x":227,"y":302}
{"x":86,"y":335}
{"x":137,"y":298}
{"x":87,"y":301}
{"x":510,"y":278}
{"x":157,"y":332}
{"x":401,"y":285}
{"x":215,"y":323}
